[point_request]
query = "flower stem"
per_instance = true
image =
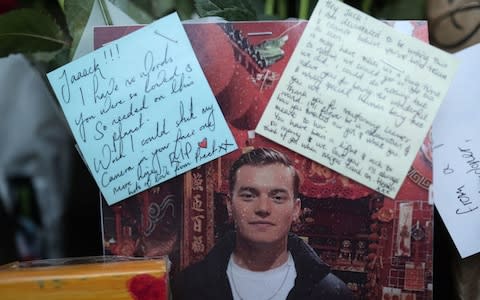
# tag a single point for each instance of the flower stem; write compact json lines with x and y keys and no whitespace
{"x":105,"y":13}
{"x":269,"y":7}
{"x":304,"y":9}
{"x":367,"y":6}
{"x":282,"y":9}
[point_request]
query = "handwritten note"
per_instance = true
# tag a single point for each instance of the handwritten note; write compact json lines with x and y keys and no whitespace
{"x":456,"y":155}
{"x":358,"y":96}
{"x":141,"y":110}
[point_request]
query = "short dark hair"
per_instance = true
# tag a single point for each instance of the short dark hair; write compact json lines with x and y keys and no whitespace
{"x":263,"y":157}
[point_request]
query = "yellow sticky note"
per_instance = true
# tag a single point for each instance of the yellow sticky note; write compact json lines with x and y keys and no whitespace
{"x":357,"y":96}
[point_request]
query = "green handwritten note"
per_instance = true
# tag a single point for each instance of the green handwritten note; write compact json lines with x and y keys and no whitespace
{"x":358,"y":96}
{"x":141,"y":110}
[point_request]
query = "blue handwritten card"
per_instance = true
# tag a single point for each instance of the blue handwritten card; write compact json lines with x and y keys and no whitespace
{"x":141,"y":110}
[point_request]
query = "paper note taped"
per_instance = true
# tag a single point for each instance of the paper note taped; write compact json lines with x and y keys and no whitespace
{"x":358,"y":96}
{"x":456,"y":155}
{"x":141,"y":110}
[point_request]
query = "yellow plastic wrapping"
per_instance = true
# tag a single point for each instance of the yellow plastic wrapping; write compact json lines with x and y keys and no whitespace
{"x":87,"y":278}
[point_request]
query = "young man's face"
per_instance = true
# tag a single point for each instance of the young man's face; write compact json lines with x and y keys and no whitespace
{"x":262,"y":203}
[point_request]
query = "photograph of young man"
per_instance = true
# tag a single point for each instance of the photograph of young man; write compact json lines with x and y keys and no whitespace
{"x":261,"y":259}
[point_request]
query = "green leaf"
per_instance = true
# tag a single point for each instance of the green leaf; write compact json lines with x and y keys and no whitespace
{"x":185,"y":9}
{"x":28,"y":31}
{"x":140,"y":11}
{"x":77,"y":13}
{"x":401,"y":10}
{"x":162,"y":8}
{"x":231,"y":10}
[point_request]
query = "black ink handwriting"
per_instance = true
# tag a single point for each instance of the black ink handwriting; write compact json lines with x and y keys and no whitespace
{"x":472,"y":161}
{"x":159,"y":133}
{"x":181,"y":150}
{"x":131,"y":112}
{"x":201,"y":154}
{"x":81,"y":125}
{"x":447,"y":170}
{"x":186,"y":117}
{"x":107,"y":179}
{"x":111,"y":88}
{"x":465,"y":200}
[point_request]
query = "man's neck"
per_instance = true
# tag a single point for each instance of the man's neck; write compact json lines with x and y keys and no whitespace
{"x":260,"y":257}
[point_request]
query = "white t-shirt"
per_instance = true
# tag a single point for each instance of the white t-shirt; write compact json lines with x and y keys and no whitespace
{"x":274,"y":284}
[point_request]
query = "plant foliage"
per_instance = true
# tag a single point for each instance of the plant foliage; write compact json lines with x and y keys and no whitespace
{"x":33,"y":30}
{"x":231,"y":10}
{"x":29,"y":30}
{"x":77,"y":14}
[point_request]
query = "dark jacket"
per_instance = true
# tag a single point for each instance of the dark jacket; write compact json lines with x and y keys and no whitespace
{"x":208,"y":279}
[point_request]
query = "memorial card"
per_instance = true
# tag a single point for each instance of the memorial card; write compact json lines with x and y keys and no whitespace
{"x":456,"y":159}
{"x":357,"y":96}
{"x":141,"y":110}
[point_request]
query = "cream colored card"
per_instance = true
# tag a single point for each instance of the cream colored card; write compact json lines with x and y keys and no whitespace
{"x":357,"y":96}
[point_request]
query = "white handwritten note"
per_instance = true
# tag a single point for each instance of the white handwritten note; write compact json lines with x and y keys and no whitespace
{"x":358,"y":96}
{"x":141,"y":110}
{"x":456,"y":155}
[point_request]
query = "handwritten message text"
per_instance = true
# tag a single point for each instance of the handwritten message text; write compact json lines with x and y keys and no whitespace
{"x":459,"y":182}
{"x":357,"y":96}
{"x":141,"y":110}
{"x":456,"y":155}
